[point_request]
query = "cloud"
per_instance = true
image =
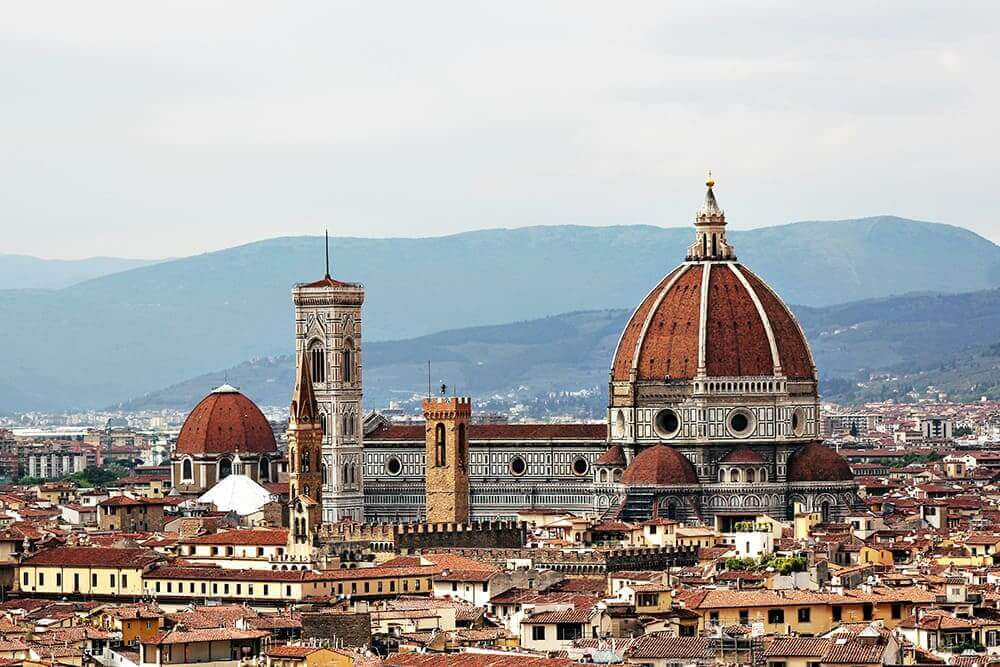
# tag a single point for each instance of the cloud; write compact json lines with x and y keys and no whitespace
{"x":176,"y":128}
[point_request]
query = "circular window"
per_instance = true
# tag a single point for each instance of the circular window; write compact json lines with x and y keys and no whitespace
{"x":798,"y":422}
{"x":667,"y":423}
{"x":580,"y":466}
{"x":518,"y":466}
{"x":741,"y":422}
{"x":393,"y":466}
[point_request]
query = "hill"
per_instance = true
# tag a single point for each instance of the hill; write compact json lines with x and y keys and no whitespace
{"x":889,"y":346}
{"x":25,"y":272}
{"x":122,"y":335}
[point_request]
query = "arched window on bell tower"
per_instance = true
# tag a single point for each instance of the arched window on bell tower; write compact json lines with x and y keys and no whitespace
{"x":317,"y":353}
{"x":347,"y":360}
{"x":439,"y":446}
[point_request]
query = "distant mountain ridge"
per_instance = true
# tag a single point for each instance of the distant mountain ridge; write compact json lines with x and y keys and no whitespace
{"x":909,"y":342}
{"x":26,"y":272}
{"x":123,"y":335}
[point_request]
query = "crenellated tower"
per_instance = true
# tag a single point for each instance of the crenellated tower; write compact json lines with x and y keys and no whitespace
{"x":328,"y":339}
{"x":447,"y":455}
{"x":305,"y":479}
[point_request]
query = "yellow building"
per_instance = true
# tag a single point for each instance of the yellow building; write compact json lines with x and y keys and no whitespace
{"x":91,"y":571}
{"x":805,"y":612}
{"x":136,"y":622}
{"x":309,"y":656}
{"x":169,"y":583}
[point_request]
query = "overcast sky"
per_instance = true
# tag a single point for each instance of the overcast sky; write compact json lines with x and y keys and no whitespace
{"x":148,"y":129}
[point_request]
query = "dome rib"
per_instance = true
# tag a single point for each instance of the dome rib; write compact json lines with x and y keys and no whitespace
{"x":795,"y":357}
{"x":623,"y":361}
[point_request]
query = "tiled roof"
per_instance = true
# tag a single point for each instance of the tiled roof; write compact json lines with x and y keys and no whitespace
{"x":664,"y":646}
{"x":514,"y":432}
{"x":818,"y":463}
{"x":475,"y":660}
{"x":614,"y":456}
{"x":797,"y":647}
{"x":204,"y":635}
{"x":659,"y":465}
{"x":256,"y":537}
{"x":94,"y":557}
{"x":575,"y":615}
{"x":742,"y":454}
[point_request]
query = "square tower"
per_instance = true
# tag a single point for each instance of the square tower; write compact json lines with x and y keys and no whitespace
{"x":328,"y":338}
{"x":446,"y":439}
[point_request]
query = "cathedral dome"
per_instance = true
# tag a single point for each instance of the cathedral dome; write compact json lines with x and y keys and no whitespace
{"x":818,"y":463}
{"x":226,"y":422}
{"x":711,"y":317}
{"x":742,"y":455}
{"x":659,"y":465}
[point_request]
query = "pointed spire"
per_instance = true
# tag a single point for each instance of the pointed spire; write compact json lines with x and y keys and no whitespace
{"x":326,"y":237}
{"x":304,"y":406}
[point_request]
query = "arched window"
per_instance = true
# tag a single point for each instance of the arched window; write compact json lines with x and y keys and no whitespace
{"x":461,"y":445}
{"x":304,"y":464}
{"x":347,"y":360}
{"x":750,"y":476}
{"x":671,"y":510}
{"x":439,"y":446}
{"x":318,"y":355}
{"x":734,"y":476}
{"x":187,"y":471}
{"x":354,"y":473}
{"x":322,"y":422}
{"x":264,"y":470}
{"x":825,"y":509}
{"x":343,"y":474}
{"x":326,"y":474}
{"x":225,"y":467}
{"x":763,"y":474}
{"x":722,"y":475}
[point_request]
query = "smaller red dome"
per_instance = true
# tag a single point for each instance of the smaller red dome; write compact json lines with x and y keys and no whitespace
{"x":614,"y":456}
{"x":742,"y":455}
{"x":818,"y":463}
{"x":659,"y":465}
{"x":226,"y":422}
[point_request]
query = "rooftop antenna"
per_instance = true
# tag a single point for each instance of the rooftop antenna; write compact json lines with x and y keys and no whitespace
{"x":326,"y":236}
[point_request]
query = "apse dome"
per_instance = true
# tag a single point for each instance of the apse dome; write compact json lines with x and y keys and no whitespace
{"x":818,"y":463}
{"x":659,"y":465}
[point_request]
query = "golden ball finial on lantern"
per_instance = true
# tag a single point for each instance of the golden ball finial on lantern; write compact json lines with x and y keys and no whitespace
{"x":710,"y":181}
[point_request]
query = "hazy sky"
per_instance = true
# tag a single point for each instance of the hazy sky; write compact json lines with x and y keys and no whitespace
{"x":149,"y":129}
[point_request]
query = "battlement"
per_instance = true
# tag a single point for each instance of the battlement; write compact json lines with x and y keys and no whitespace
{"x":407,"y":537}
{"x":447,"y":407}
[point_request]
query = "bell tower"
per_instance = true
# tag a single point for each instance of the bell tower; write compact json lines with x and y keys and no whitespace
{"x":447,"y":458}
{"x":305,"y":479}
{"x":328,"y":340}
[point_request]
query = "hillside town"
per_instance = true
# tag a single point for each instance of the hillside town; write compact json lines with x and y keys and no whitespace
{"x":719,"y":515}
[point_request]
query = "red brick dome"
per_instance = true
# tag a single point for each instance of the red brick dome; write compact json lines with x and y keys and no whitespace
{"x":226,"y":422}
{"x":659,"y":465}
{"x":742,"y":455}
{"x":818,"y":463}
{"x":742,"y":329}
